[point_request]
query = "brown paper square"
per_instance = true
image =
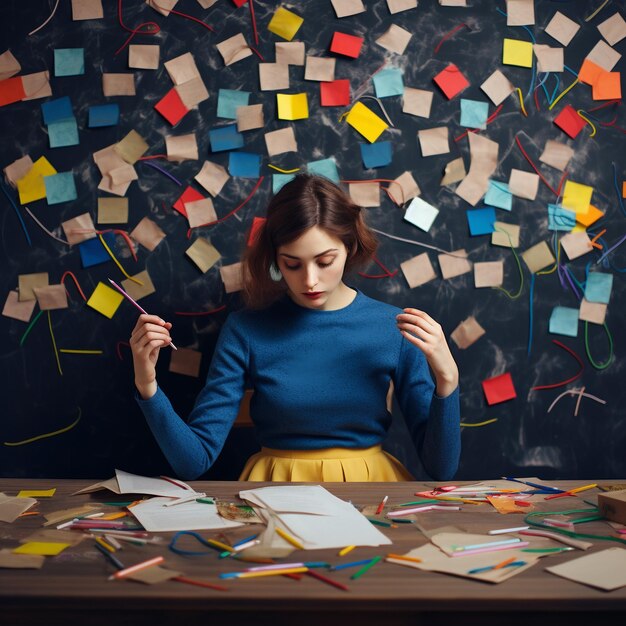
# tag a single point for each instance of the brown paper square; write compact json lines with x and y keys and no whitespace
{"x":556,"y":154}
{"x":9,"y":65}
{"x":182,"y":68}
{"x":576,"y":244}
{"x":273,"y":76}
{"x":395,"y":39}
{"x":417,"y":102}
{"x":594,"y":312}
{"x":406,"y":189}
{"x":200,"y":212}
{"x":454,"y":172}
{"x":118,"y":84}
{"x":181,"y":147}
{"x":51,"y":297}
{"x":452,"y":266}
{"x":562,"y":28}
{"x":36,"y":86}
{"x":234,"y":49}
{"x":79,"y":228}
{"x":549,"y":59}
{"x":192,"y":93}
{"x":143,"y":56}
{"x":319,"y":68}
{"x":499,"y":235}
{"x":523,"y":184}
{"x":365,"y":194}
{"x":498,"y":87}
{"x":212,"y":177}
{"x":250,"y":117}
{"x":148,"y":234}
{"x":538,"y":257}
{"x":290,"y":52}
{"x":131,"y":147}
{"x":17,"y":310}
{"x":232,"y":277}
{"x":613,"y":29}
{"x":112,"y":210}
{"x":203,"y":253}
{"x":18,"y":169}
{"x":488,"y":274}
{"x":520,"y":12}
{"x":418,"y":270}
{"x":87,"y":10}
{"x":27,"y":282}
{"x":135,"y":291}
{"x":469,"y":331}
{"x":280,"y":141}
{"x":434,"y":141}
{"x":344,"y":8}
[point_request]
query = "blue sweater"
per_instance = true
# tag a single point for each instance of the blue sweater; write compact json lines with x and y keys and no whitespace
{"x":320,"y":380}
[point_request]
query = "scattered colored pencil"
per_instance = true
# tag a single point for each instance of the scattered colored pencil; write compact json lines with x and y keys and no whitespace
{"x":365,"y":568}
{"x":136,"y":568}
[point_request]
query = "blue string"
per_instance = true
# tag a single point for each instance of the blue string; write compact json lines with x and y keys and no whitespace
{"x":556,"y":88}
{"x":543,"y":86}
{"x":571,"y":71}
{"x":180,"y":533}
{"x":19,"y":215}
{"x":530,"y":312}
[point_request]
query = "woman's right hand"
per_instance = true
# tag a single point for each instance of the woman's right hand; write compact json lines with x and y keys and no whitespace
{"x":150,"y":334}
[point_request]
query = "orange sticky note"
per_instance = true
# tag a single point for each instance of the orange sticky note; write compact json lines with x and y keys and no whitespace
{"x":608,"y":86}
{"x":593,"y":214}
{"x":589,"y":72}
{"x":624,"y":189}
{"x":11,"y":90}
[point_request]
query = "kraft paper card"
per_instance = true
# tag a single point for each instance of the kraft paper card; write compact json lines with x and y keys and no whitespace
{"x":181,"y":147}
{"x":250,"y":117}
{"x":434,"y":141}
{"x":36,"y":85}
{"x":593,"y":312}
{"x":345,"y":8}
{"x":538,"y":257}
{"x":319,"y":68}
{"x":520,"y":12}
{"x":143,"y":56}
{"x":118,"y":84}
{"x":603,"y":55}
{"x":395,"y":39}
{"x":290,"y":52}
{"x":203,"y":253}
{"x":112,"y":210}
{"x":192,"y":93}
{"x":365,"y":194}
{"x":418,"y":270}
{"x":87,"y":10}
{"x":18,"y":169}
{"x":488,"y":274}
{"x":212,"y":177}
{"x":523,"y":184}
{"x":604,"y":570}
{"x":454,"y":264}
{"x":135,"y":291}
{"x":232,"y":277}
{"x":131,"y":147}
{"x":505,"y":235}
{"x":406,"y":189}
{"x":613,"y":29}
{"x":453,"y":172}
{"x":182,"y":69}
{"x":9,"y":65}
{"x":51,"y":297}
{"x":273,"y":76}
{"x":8,"y":560}
{"x":17,"y":310}
{"x":484,"y":160}
{"x":556,"y":154}
{"x":234,"y":49}
{"x":200,"y":212}
{"x":469,"y":331}
{"x":549,"y":59}
{"x":280,"y":141}
{"x":148,"y":234}
{"x":576,"y":244}
{"x":27,"y":284}
{"x":417,"y":102}
{"x":79,"y":228}
{"x":562,"y":28}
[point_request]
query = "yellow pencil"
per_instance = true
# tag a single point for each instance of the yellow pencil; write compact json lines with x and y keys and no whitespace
{"x":345,"y":550}
{"x":274,"y":572}
{"x":290,"y":539}
{"x":220,"y":545}
{"x":105,"y":544}
{"x":583,"y":488}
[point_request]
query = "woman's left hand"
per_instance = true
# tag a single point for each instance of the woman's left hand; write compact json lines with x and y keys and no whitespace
{"x":425,"y":333}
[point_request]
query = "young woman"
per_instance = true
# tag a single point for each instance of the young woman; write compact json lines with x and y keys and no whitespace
{"x":320,"y":356}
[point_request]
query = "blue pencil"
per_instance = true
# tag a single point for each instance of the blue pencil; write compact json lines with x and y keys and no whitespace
{"x":109,"y":556}
{"x":335,"y":568}
{"x":535,"y":485}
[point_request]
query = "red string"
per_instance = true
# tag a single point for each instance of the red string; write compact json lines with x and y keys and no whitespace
{"x":565,"y":174}
{"x":556,"y":193}
{"x":387,"y":274}
{"x":190,"y":314}
{"x":447,"y":36}
{"x":124,"y":234}
{"x":71,"y":275}
{"x":152,"y":28}
{"x":221,"y":219}
{"x":117,"y":349}
{"x":154,"y":156}
{"x":606,"y":104}
{"x":253,"y":20}
{"x":189,"y":17}
{"x":569,"y":380}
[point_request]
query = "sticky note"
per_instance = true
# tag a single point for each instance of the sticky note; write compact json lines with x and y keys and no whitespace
{"x":105,"y":300}
{"x":228,"y":100}
{"x":474,"y":113}
{"x":451,"y":81}
{"x":36,"y":493}
{"x":366,"y":122}
{"x":608,"y":86}
{"x":64,"y":133}
{"x":598,"y":287}
{"x":388,"y":82}
{"x":517,"y":52}
{"x":104,"y":115}
{"x":60,"y":187}
{"x":335,"y":93}
{"x":280,"y":180}
{"x":92,"y":252}
{"x":203,"y":253}
{"x":189,"y":195}
{"x":285,"y":23}
{"x":69,"y":61}
{"x":348,"y":45}
{"x":376,"y":154}
{"x":292,"y":106}
{"x":324,"y":167}
{"x":57,"y":110}
{"x":569,"y":121}
{"x":488,"y":274}
{"x":499,"y":196}
{"x":225,"y":138}
{"x":41,"y":547}
{"x":11,"y":90}
{"x":481,"y":221}
{"x":592,"y":215}
{"x":560,"y":218}
{"x":576,"y":196}
{"x":564,"y":321}
{"x":171,"y":107}
{"x":499,"y":389}
{"x":32,"y":187}
{"x":244,"y":164}
{"x":421,"y":214}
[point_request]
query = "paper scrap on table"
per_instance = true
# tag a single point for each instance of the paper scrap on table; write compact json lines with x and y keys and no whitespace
{"x":125,"y":482}
{"x":605,"y":569}
{"x":11,"y":507}
{"x":9,"y":560}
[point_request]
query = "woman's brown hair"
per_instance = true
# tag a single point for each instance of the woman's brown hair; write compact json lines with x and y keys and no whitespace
{"x":303,"y":203}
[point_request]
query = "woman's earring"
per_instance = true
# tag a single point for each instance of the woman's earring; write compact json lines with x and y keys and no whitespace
{"x":275,"y":273}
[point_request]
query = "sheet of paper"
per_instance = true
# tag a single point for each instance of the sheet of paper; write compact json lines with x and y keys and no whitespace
{"x":497,"y":87}
{"x":365,"y":194}
{"x":484,"y":160}
{"x":234,"y":49}
{"x":395,"y":39}
{"x":418,"y":270}
{"x":454,"y":264}
{"x":43,"y":548}
{"x":488,"y":274}
{"x":11,"y":507}
{"x":290,"y":52}
{"x":281,"y":141}
{"x":562,"y":28}
{"x":366,"y":122}
{"x":319,"y":68}
{"x":8,"y":560}
{"x":148,"y":234}
{"x":474,"y":113}
{"x":605,"y":569}
{"x":499,"y":389}
{"x":17,"y":310}
{"x":421,"y":214}
{"x":468,"y":332}
{"x":203,"y":253}
{"x":135,"y":291}
{"x":285,"y":23}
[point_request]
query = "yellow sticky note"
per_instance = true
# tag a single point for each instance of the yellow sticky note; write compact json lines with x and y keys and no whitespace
{"x":31,"y":187}
{"x":36,"y":493}
{"x":517,"y":52}
{"x":105,"y":300}
{"x":43,"y":548}
{"x":577,"y":197}
{"x":592,"y":215}
{"x":285,"y":24}
{"x":292,"y":107}
{"x":366,"y":122}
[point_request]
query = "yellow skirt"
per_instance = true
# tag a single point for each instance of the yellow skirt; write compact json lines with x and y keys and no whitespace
{"x":325,"y":465}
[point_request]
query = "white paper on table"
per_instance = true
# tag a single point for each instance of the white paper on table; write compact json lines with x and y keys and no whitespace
{"x":605,"y":569}
{"x":124,"y":482}
{"x":155,"y":517}
{"x":312,"y":499}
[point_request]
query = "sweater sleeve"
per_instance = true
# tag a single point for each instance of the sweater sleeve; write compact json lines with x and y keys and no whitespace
{"x":191,"y":447}
{"x":433,"y":422}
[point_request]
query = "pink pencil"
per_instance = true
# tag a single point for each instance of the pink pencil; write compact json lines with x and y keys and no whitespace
{"x":137,"y":305}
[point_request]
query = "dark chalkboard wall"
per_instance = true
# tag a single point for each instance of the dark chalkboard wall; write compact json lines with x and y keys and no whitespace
{"x":111,"y":432}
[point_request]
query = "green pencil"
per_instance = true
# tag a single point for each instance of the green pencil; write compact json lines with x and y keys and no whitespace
{"x":378,"y":522}
{"x":364,"y":569}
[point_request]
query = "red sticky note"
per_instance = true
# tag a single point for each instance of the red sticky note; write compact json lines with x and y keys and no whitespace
{"x":239,"y":3}
{"x":348,"y":45}
{"x":11,"y":90}
{"x":451,"y":81}
{"x":257,"y":224}
{"x":608,"y":86}
{"x":569,"y":121}
{"x":499,"y":389}
{"x":335,"y":93}
{"x":189,"y":195}
{"x":171,"y":107}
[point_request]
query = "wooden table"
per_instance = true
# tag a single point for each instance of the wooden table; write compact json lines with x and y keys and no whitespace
{"x":72,"y":588}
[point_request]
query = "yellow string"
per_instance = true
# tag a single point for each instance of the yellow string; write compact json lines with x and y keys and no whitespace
{"x":590,"y":17}
{"x":343,"y":115}
{"x":278,"y":169}
{"x":556,"y":264}
{"x":52,"y":434}
{"x":562,"y":94}
{"x":104,"y":243}
{"x":465,"y":424}
{"x":54,"y":344}
{"x":521,"y":100}
{"x":69,"y":351}
{"x":593,"y":132}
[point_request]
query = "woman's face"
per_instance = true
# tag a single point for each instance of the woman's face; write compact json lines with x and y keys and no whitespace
{"x":312,"y":267}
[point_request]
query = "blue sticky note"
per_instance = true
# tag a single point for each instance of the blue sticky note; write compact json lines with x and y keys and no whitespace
{"x":57,"y":110}
{"x":498,"y":195}
{"x":376,"y":154}
{"x":474,"y":113}
{"x":104,"y":115}
{"x":228,"y":100}
{"x":63,"y":133}
{"x":69,"y":61}
{"x":388,"y":82}
{"x":60,"y":187}
{"x":560,"y":218}
{"x":225,"y":138}
{"x":324,"y":167}
{"x":92,"y":252}
{"x":280,"y":180}
{"x":481,"y":221}
{"x":244,"y":164}
{"x":598,"y":287}
{"x":564,"y":321}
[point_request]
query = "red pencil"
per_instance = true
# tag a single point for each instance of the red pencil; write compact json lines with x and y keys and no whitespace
{"x":199,"y":583}
{"x":381,"y":506}
{"x":328,"y":581}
